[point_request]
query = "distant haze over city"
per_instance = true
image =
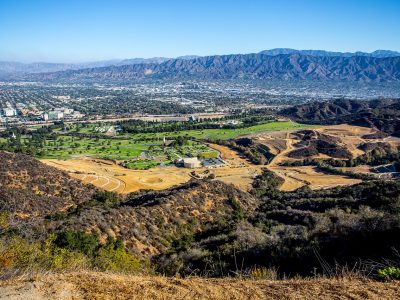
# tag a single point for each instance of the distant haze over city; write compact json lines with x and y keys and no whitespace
{"x":272,"y":52}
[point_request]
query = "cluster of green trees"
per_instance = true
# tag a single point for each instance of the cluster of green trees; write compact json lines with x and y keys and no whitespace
{"x":246,"y":120}
{"x":68,"y":250}
{"x":34,"y":145}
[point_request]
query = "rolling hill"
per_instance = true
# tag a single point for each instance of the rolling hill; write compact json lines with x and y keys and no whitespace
{"x":30,"y":189}
{"x":151,"y":222}
{"x":9,"y":67}
{"x":381,"y":114}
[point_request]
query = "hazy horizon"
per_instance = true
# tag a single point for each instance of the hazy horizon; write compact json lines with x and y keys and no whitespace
{"x":128,"y":58}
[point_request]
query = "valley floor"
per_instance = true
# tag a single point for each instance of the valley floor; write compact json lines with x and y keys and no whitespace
{"x":108,"y":175}
{"x":89,"y":285}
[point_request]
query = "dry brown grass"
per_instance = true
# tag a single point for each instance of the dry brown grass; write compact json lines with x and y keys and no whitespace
{"x":90,"y":285}
{"x":296,"y":177}
{"x":358,"y":169}
{"x":225,"y":152}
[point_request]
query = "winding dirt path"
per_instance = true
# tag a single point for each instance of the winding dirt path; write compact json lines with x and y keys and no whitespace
{"x":296,"y":177}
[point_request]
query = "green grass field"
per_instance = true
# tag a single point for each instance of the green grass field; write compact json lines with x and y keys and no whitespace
{"x":142,"y":164}
{"x":225,"y":134}
{"x":213,"y":134}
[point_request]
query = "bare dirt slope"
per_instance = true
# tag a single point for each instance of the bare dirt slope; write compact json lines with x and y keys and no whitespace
{"x":283,"y":143}
{"x":108,"y":286}
{"x":296,"y":177}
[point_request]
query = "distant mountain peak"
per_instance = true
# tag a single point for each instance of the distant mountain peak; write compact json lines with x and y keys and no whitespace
{"x":376,"y":53}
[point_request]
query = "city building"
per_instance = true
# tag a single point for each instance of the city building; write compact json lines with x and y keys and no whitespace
{"x":77,"y":115}
{"x":9,"y":112}
{"x":53,"y":115}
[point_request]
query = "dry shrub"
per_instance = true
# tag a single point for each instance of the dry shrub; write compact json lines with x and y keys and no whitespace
{"x":259,"y":272}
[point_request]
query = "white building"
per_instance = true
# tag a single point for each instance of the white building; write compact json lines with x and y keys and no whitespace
{"x":9,"y":112}
{"x":191,"y":162}
{"x":77,"y":115}
{"x":53,"y":115}
{"x":66,"y":111}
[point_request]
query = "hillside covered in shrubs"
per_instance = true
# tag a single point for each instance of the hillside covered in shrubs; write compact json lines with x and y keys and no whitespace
{"x":382,"y":114}
{"x":299,"y":232}
{"x":29,"y":188}
{"x":204,"y":227}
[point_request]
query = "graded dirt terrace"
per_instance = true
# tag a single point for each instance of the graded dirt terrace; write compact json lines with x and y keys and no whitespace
{"x":281,"y":143}
{"x":110,"y":176}
{"x":352,"y":136}
{"x":296,"y":177}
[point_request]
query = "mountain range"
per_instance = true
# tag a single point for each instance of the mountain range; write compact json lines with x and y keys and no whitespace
{"x":283,"y":64}
{"x":376,"y":53}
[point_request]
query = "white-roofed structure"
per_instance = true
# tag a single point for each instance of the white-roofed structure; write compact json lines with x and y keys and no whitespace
{"x":191,"y":162}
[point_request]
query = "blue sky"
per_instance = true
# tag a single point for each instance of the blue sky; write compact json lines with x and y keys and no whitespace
{"x":89,"y":30}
